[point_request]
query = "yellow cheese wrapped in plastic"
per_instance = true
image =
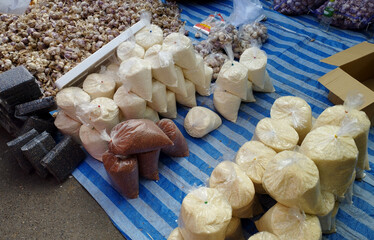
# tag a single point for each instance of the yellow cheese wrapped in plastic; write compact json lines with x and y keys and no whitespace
{"x":253,"y":157}
{"x":99,"y":85}
{"x":180,"y":89}
{"x":226,"y":104}
{"x":250,"y":97}
{"x":200,"y":121}
{"x":234,"y":230}
{"x":255,"y":60}
{"x":171,"y":111}
{"x":292,"y":179}
{"x":233,"y":78}
{"x":334,"y":152}
{"x":132,"y":106}
{"x":128,"y":50}
{"x":69,"y":99}
{"x":159,"y":98}
{"x":149,"y":36}
{"x":196,"y":74}
{"x":205,"y":215}
{"x":151,"y":114}
{"x":204,"y":89}
{"x":276,"y":134}
{"x":290,"y":223}
{"x":190,"y":100}
{"x":296,"y":111}
{"x":235,"y":185}
{"x":263,"y":236}
{"x":182,"y":49}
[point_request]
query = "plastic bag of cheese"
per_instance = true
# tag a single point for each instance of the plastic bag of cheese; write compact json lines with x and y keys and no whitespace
{"x":200,"y":121}
{"x":335,"y":116}
{"x":196,"y":74}
{"x":190,"y":100}
{"x":182,"y":49}
{"x":250,"y":97}
{"x":276,"y":134}
{"x":112,"y":70}
{"x":171,"y":105}
{"x":175,"y":234}
{"x":131,"y":105}
{"x":292,"y":179}
{"x":93,"y":141}
{"x":180,"y":88}
{"x":290,"y":223}
{"x":226,"y":104}
{"x":151,"y":115}
{"x":335,"y":153}
{"x":159,"y":98}
{"x":162,"y":63}
{"x":205,"y":215}
{"x":68,"y":99}
{"x":204,"y":88}
{"x":263,"y":236}
{"x":99,"y":85}
{"x":234,"y":230}
{"x":296,"y":111}
{"x":253,"y":157}
{"x":228,"y":178}
{"x":255,"y":60}
{"x":129,"y":49}
{"x":136,"y":75}
{"x":149,"y":35}
{"x":68,"y":126}
{"x":268,"y":85}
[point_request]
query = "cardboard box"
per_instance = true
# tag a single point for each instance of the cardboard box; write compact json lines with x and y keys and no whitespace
{"x":355,"y":73}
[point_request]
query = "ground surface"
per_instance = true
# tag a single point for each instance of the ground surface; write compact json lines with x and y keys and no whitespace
{"x":36,"y":208}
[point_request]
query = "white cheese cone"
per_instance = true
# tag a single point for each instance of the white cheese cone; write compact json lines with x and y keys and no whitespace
{"x":205,"y":215}
{"x":180,"y":89}
{"x":233,"y":78}
{"x":290,"y":223}
{"x":335,"y":116}
{"x":228,"y":178}
{"x":255,"y":60}
{"x":182,"y":49}
{"x":296,"y":112}
{"x":335,"y":156}
{"x":112,"y":70}
{"x":234,"y":230}
{"x":99,"y":85}
{"x":93,"y":142}
{"x":204,"y":89}
{"x":163,"y":68}
{"x":171,"y":106}
{"x":250,"y":97}
{"x":276,"y":134}
{"x":253,"y":157}
{"x":128,"y":49}
{"x":268,"y":85}
{"x":159,"y":98}
{"x":196,"y":74}
{"x":131,"y":105}
{"x":151,"y":114}
{"x":292,"y":179}
{"x":137,"y":76}
{"x":105,"y":114}
{"x":226,"y":104}
{"x":68,"y":99}
{"x":200,"y":121}
{"x":68,"y":126}
{"x":175,"y":235}
{"x":263,"y":236}
{"x":190,"y":100}
{"x":149,"y":36}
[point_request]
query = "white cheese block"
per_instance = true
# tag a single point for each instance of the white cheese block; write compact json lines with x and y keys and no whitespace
{"x":68,"y":126}
{"x":93,"y":142}
{"x":171,"y":106}
{"x":151,"y":114}
{"x":128,"y":50}
{"x":250,"y":97}
{"x":159,"y":97}
{"x":175,"y":235}
{"x":228,"y":178}
{"x":190,"y":100}
{"x":182,"y":49}
{"x":335,"y":156}
{"x":104,"y":115}
{"x":335,"y":116}
{"x":290,"y":223}
{"x":292,"y":179}
{"x":255,"y":60}
{"x":268,"y":85}
{"x":131,"y":105}
{"x":136,"y":75}
{"x":226,"y":104}
{"x":180,"y":88}
{"x":149,"y":36}
{"x":263,"y":236}
{"x":205,"y":215}
{"x":112,"y":70}
{"x":200,"y":121}
{"x":234,"y":230}
{"x":253,"y":157}
{"x":204,"y":89}
{"x":163,"y":68}
{"x":68,"y":99}
{"x":296,"y":112}
{"x":276,"y":134}
{"x":196,"y":74}
{"x":233,"y":78}
{"x":99,"y":85}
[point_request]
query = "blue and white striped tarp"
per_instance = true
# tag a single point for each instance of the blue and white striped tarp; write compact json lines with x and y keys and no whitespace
{"x":294,"y":48}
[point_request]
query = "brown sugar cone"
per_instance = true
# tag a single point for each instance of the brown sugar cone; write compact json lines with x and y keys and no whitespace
{"x":180,"y":147}
{"x":148,"y":164}
{"x":137,"y":136}
{"x":124,"y":173}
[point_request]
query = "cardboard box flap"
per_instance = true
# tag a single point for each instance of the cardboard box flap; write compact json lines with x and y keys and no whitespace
{"x":350,"y":54}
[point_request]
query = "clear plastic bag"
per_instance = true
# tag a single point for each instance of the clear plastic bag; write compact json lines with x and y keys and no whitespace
{"x":200,"y":121}
{"x":296,"y":7}
{"x":14,"y":7}
{"x":246,"y":11}
{"x":252,"y":33}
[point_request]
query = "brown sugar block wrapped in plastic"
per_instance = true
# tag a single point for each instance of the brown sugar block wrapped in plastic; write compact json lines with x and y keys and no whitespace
{"x":124,"y":173}
{"x":137,"y":136}
{"x":148,"y":164}
{"x":180,"y":147}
